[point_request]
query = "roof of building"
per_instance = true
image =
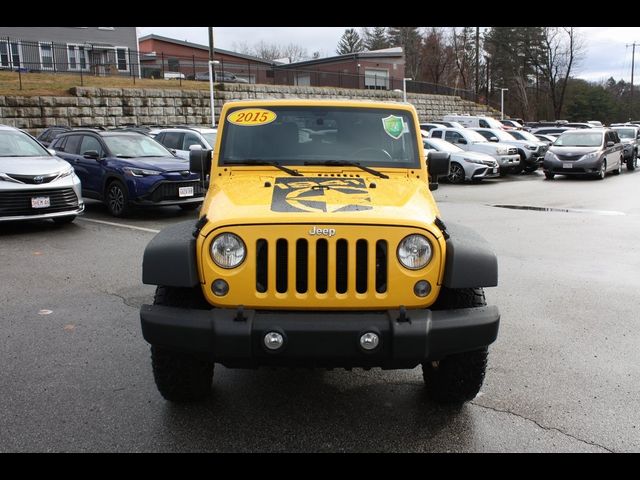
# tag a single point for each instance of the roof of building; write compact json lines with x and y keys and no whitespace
{"x":198,"y":46}
{"x":394,"y":52}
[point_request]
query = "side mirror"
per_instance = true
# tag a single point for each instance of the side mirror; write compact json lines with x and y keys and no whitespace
{"x":438,"y":165}
{"x":493,"y":139}
{"x":51,"y":151}
{"x":91,"y":154}
{"x":462,"y":141}
{"x":200,"y":162}
{"x":610,"y":144}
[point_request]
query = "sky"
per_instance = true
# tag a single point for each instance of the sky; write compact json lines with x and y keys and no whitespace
{"x":608,"y":50}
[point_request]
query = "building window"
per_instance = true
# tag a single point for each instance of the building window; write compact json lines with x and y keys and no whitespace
{"x":10,"y":55}
{"x":46,"y":56}
{"x":376,"y":79}
{"x":78,"y":57}
{"x":121,"y":58}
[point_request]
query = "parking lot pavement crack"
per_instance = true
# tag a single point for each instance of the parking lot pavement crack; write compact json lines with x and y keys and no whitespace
{"x":126,"y":301}
{"x":548,"y":429}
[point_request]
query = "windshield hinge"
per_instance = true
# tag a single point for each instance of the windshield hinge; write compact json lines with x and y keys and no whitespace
{"x":199,"y":224}
{"x":440,"y":224}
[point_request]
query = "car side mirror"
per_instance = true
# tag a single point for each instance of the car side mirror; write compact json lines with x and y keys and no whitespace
{"x":91,"y":154}
{"x":438,"y":165}
{"x":493,"y":139}
{"x":462,"y":141}
{"x":200,"y":162}
{"x":51,"y":151}
{"x":610,"y":143}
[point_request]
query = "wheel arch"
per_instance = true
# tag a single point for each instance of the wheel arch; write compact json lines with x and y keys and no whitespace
{"x":470,"y":261}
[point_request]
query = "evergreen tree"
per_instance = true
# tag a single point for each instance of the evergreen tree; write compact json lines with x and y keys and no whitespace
{"x":374,"y":38}
{"x":350,"y":42}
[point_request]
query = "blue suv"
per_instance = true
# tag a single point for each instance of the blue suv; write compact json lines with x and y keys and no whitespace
{"x":125,"y":168}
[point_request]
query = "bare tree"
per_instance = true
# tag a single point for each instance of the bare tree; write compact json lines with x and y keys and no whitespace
{"x":294,"y":52}
{"x":267,"y":51}
{"x":436,"y":56}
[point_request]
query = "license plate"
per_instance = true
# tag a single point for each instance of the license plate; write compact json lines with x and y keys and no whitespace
{"x":40,"y":202}
{"x":567,"y":165}
{"x":185,"y":191}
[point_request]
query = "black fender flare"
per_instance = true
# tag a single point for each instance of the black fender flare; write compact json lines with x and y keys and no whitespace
{"x":470,"y":261}
{"x":170,"y":257}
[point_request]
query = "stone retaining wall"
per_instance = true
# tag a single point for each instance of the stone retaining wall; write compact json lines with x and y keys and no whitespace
{"x":109,"y":107}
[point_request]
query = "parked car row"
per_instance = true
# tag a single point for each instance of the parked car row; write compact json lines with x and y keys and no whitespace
{"x":561,"y":148}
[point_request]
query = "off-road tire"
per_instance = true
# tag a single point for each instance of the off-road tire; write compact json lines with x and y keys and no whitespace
{"x":457,"y":378}
{"x":179,"y":376}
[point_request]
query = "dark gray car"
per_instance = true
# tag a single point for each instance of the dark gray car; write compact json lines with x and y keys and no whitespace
{"x":592,"y":152}
{"x":630,"y":137}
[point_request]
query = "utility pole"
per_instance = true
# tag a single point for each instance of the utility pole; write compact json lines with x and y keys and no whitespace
{"x":211,"y":78}
{"x":477,"y":61}
{"x":633,"y":57}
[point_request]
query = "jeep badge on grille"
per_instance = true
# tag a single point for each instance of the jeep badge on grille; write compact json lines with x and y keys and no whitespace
{"x":327,"y":232}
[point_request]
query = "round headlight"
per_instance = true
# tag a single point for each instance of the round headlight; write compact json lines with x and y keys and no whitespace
{"x":414,"y":252}
{"x":228,"y":250}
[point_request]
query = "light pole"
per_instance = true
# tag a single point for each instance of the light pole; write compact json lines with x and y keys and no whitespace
{"x":404,"y":88}
{"x":213,"y":113}
{"x":502,"y":90}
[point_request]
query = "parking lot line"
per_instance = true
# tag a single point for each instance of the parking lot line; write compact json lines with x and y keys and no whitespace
{"x":114,"y":224}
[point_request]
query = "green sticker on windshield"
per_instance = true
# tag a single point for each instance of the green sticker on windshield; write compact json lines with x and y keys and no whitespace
{"x":394,"y":126}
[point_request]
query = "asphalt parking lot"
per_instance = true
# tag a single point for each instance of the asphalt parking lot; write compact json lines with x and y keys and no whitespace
{"x":563,"y":376}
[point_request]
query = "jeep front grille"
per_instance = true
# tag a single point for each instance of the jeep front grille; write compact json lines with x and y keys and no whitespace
{"x":323,"y":266}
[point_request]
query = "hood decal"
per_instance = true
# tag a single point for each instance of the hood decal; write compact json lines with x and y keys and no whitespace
{"x":320,"y":194}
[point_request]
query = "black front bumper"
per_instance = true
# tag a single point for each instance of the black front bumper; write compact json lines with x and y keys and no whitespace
{"x":320,"y":339}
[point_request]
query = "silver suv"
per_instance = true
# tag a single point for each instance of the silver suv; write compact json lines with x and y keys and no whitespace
{"x":531,"y":151}
{"x":183,"y":139}
{"x":630,"y":137}
{"x":34,"y":183}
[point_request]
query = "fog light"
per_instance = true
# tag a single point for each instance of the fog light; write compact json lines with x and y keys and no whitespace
{"x":369,"y":341}
{"x":220,"y":288}
{"x":422,"y":288}
{"x":273,"y":340}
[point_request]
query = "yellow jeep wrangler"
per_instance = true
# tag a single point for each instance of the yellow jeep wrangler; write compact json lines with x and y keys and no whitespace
{"x":319,"y":244}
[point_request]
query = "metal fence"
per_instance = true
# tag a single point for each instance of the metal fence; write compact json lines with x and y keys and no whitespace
{"x":90,"y":59}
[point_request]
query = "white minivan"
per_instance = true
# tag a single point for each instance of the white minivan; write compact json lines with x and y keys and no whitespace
{"x":473,"y":121}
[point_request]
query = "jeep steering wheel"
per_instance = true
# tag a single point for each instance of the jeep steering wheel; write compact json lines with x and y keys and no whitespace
{"x":386,"y":154}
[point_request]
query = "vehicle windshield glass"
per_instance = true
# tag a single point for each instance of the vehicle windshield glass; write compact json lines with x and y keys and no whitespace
{"x":18,"y":144}
{"x":134,"y":146}
{"x":293,"y":135}
{"x":520,"y":135}
{"x":474,"y":136}
{"x":441,"y":146}
{"x":503,"y":136}
{"x":579,"y":139}
{"x":626,"y":132}
{"x":210,"y":138}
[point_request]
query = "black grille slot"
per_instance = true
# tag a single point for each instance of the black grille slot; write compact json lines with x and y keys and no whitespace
{"x":262,"y":265}
{"x":342,"y":266}
{"x":18,"y":203}
{"x":169,"y":191}
{"x":31,"y":179}
{"x":381,"y":266}
{"x":568,"y":157}
{"x":302,"y":265}
{"x":322,"y":261}
{"x":282,"y":264}
{"x":361,"y":266}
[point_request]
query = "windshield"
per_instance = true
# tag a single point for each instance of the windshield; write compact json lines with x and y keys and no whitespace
{"x":520,"y":135}
{"x":293,"y":135}
{"x":626,"y":132}
{"x":210,"y":138}
{"x":135,"y":146}
{"x":502,"y":135}
{"x":441,"y":146}
{"x":18,"y":144}
{"x":474,"y":136}
{"x":579,"y":139}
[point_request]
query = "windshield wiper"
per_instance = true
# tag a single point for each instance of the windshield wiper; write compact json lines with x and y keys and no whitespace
{"x":347,"y":163}
{"x":251,"y":161}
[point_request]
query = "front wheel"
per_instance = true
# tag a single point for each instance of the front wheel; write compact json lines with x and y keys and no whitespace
{"x":603,"y":171}
{"x":549,"y":175}
{"x":631,"y":162}
{"x":457,"y":378}
{"x":618,"y":170}
{"x":179,"y":376}
{"x":456,"y":173}
{"x":117,"y":199}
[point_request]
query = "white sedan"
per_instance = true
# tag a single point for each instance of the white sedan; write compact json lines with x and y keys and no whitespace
{"x":465,"y":165}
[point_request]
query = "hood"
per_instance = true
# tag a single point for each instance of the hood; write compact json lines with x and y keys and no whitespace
{"x":163,"y":164}
{"x":32,"y":165}
{"x":473,"y":156}
{"x":279,"y":198}
{"x":574,"y":151}
{"x":490,"y":147}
